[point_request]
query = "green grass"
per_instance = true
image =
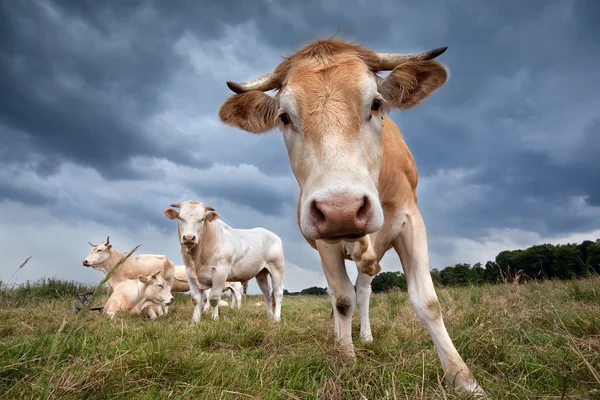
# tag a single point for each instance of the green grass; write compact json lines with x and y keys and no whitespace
{"x":537,"y":340}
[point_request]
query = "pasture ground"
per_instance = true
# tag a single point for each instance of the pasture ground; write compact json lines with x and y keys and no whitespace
{"x":537,"y":340}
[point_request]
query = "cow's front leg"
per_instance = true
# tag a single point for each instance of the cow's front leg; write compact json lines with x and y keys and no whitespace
{"x":219,"y":277}
{"x":342,"y":291}
{"x":150,"y":313}
{"x":196,"y":294}
{"x":363,"y":296}
{"x":158,"y":310}
{"x":334,"y":313}
{"x":411,"y":246}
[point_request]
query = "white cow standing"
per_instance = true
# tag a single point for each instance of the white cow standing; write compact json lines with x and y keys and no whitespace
{"x":213,"y":253}
{"x":143,"y":295}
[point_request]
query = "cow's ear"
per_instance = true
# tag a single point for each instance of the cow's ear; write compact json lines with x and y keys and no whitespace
{"x":212,"y":216}
{"x":253,"y":111}
{"x":144,"y":279}
{"x":171,"y":213}
{"x":412,"y":82}
{"x":109,"y":247}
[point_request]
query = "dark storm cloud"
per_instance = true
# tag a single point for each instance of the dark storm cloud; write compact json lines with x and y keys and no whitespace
{"x":81,"y":79}
{"x":542,"y":58}
{"x":262,"y":198}
{"x":81,"y":92}
{"x":25,"y":195}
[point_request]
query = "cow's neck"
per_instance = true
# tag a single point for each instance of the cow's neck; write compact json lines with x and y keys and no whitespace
{"x":398,"y":176}
{"x":142,"y":301}
{"x":113,"y":258}
{"x":212,"y":232}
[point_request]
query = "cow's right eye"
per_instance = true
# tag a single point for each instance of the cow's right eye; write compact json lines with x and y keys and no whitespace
{"x":376,"y":105}
{"x":284,"y":118}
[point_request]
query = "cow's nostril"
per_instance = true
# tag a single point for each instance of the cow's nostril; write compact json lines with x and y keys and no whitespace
{"x":316,"y":213}
{"x":364,"y":209}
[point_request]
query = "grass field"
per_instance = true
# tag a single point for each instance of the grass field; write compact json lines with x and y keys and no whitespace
{"x":538,"y":340}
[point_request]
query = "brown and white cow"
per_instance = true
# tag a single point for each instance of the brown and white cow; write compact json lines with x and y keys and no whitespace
{"x":103,"y":257}
{"x":143,"y":295}
{"x":356,"y":174}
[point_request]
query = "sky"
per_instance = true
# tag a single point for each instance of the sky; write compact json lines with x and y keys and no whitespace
{"x":108,"y":114}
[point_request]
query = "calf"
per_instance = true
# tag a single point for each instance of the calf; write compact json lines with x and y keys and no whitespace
{"x":143,"y":295}
{"x":214,"y":252}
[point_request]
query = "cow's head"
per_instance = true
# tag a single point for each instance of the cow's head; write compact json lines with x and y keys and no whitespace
{"x":98,"y":255}
{"x":158,"y":291}
{"x":330,"y":105}
{"x":192,"y":216}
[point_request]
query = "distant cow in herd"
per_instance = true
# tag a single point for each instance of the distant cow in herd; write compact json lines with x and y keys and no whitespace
{"x":180,"y":284}
{"x":236,"y":289}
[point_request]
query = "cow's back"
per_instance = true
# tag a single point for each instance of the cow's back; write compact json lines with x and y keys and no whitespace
{"x":264,"y":240}
{"x":125,"y":294}
{"x":148,"y":264}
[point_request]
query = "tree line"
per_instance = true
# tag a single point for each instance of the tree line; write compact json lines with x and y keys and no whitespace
{"x":539,"y":262}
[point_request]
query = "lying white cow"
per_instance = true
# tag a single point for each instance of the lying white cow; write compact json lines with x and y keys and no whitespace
{"x":180,"y":283}
{"x":236,"y":289}
{"x":103,"y":257}
{"x":214,"y":253}
{"x":143,"y":295}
